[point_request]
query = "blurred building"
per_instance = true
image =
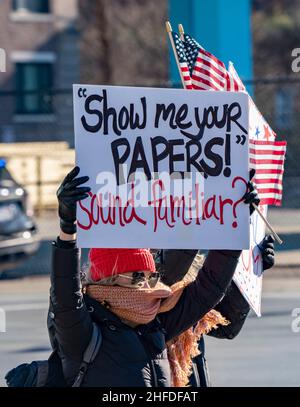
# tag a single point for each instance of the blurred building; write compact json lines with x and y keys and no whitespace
{"x":40,"y":40}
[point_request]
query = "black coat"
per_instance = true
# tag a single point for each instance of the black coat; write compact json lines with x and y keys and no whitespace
{"x":174,"y":265}
{"x":128,"y":356}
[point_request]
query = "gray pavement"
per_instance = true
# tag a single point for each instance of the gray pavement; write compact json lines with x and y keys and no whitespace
{"x":25,"y":302}
{"x":267,"y":351}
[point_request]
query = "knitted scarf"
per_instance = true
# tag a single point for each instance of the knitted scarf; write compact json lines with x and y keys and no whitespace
{"x":140,"y":306}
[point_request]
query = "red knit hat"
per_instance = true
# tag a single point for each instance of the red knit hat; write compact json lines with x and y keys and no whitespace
{"x":108,"y":262}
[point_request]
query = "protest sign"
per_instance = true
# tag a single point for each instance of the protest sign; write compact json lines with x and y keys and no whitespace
{"x":167,"y":167}
{"x":248,"y":275}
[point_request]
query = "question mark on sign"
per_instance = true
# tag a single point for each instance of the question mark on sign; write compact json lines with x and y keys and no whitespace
{"x":234,"y":223}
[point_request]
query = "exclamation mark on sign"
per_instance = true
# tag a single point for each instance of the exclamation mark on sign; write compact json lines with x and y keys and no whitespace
{"x":227,"y":169}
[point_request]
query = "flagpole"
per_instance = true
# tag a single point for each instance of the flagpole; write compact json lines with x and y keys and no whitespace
{"x":169,"y":31}
{"x":181,"y":31}
{"x":276,"y":237}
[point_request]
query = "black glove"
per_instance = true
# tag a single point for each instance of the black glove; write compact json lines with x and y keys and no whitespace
{"x":251,"y":196}
{"x":68,"y":194}
{"x":267,"y":252}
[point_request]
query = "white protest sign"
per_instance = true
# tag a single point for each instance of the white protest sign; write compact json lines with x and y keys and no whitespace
{"x":248,"y":275}
{"x":145,"y":151}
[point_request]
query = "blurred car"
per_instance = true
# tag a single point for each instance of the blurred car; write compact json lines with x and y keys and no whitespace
{"x":18,"y":231}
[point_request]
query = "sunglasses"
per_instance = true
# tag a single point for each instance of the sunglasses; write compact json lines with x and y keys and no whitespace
{"x":138,"y":278}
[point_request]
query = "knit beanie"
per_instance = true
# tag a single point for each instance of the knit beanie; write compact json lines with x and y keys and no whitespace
{"x":105,"y":263}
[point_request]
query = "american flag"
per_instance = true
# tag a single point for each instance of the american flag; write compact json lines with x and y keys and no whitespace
{"x":233,"y":73}
{"x":184,"y":68}
{"x":191,"y":47}
{"x":207,"y":71}
{"x":267,"y":158}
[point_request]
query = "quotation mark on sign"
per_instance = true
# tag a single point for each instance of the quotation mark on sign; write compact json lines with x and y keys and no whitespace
{"x":82,"y":92}
{"x":241,"y":139}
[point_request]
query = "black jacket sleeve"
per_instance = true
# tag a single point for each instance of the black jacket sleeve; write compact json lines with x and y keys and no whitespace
{"x":235,"y":309}
{"x":71,"y":319}
{"x":176,"y":263}
{"x":203,"y":294}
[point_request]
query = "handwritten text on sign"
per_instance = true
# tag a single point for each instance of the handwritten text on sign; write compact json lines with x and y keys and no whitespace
{"x":167,"y":167}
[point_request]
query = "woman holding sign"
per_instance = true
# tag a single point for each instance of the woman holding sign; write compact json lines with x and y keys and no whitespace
{"x":148,"y":339}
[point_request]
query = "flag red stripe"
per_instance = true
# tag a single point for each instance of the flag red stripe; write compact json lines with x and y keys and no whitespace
{"x":268,"y":171}
{"x":270,"y":201}
{"x":268,"y":143}
{"x":209,"y":83}
{"x":213,"y":81}
{"x":254,"y":161}
{"x":228,"y":83}
{"x":268,"y":152}
{"x":235,"y":76}
{"x":269,"y":191}
{"x":212,"y":57}
{"x":236,"y":86}
{"x":208,"y":64}
{"x":186,"y":76}
{"x":267,"y":180}
{"x":208,"y":73}
{"x":208,"y":68}
{"x":198,"y":87}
